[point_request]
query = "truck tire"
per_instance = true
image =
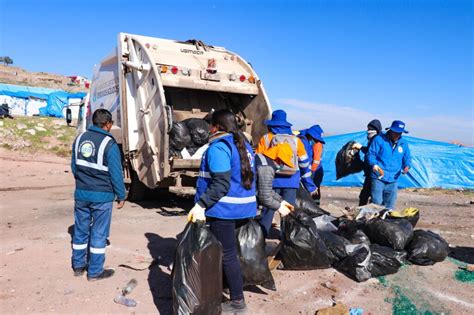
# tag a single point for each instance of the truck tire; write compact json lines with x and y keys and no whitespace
{"x":136,"y":190}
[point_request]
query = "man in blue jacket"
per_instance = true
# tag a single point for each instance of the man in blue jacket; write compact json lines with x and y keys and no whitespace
{"x":97,"y":167}
{"x":388,"y":156}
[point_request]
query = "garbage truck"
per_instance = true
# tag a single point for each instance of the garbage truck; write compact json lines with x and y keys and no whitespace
{"x":149,"y":84}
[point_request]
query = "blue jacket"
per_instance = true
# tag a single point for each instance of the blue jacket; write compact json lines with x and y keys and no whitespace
{"x":391,"y":157}
{"x":97,"y":167}
{"x":236,"y":202}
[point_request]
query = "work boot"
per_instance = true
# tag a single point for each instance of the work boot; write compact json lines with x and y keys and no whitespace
{"x":78,"y":272}
{"x":235,"y":306}
{"x":107,"y":273}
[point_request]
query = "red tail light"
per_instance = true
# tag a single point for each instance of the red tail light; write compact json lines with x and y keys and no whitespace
{"x":174,"y":70}
{"x":242,"y":78}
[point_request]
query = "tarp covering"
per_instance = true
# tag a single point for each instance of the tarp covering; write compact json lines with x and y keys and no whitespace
{"x":434,"y":164}
{"x":56,"y":99}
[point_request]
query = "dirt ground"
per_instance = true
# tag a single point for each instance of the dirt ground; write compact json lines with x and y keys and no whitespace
{"x":36,"y":213}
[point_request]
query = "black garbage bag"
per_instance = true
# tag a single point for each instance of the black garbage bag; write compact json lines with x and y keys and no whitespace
{"x":253,"y":259}
{"x":359,"y":237}
{"x":356,"y":264}
{"x":351,"y":230}
{"x":175,"y":153}
{"x":385,"y":261}
{"x":336,"y":246}
{"x":305,"y":203}
{"x":192,"y":149}
{"x":427,"y":248}
{"x":348,"y":161}
{"x":180,"y":137}
{"x":199,"y":130}
{"x":364,"y":262}
{"x":394,"y":233}
{"x":197,"y":272}
{"x":302,"y":246}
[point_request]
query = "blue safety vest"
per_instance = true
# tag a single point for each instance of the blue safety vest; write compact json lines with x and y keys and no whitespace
{"x":239,"y":203}
{"x":92,"y":172}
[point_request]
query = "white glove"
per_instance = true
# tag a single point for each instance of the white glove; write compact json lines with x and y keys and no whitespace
{"x":197,"y":214}
{"x":285,"y":208}
{"x":357,"y":146}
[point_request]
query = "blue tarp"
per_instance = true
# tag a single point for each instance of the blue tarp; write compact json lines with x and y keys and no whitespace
{"x":56,"y":99}
{"x":435,"y":164}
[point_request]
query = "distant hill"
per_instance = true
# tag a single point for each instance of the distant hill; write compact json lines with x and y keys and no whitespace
{"x":19,"y":76}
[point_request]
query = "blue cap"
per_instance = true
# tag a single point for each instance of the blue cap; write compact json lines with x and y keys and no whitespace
{"x":315,"y":132}
{"x":397,"y":126}
{"x":278,"y":119}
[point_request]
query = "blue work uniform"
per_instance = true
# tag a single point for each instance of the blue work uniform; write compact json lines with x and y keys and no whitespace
{"x":97,"y":168}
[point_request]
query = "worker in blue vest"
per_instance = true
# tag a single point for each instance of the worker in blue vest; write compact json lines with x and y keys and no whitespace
{"x":389,"y":157}
{"x":225,"y":196}
{"x":287,"y":180}
{"x":313,"y":143}
{"x":97,"y":168}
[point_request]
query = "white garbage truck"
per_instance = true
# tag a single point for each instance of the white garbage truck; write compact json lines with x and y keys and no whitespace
{"x":150,"y":83}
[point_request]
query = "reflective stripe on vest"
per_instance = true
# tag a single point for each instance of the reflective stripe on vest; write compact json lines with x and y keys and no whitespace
{"x":238,"y":200}
{"x":100,"y":155}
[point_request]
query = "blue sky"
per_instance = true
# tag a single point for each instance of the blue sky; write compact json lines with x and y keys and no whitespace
{"x":336,"y":63}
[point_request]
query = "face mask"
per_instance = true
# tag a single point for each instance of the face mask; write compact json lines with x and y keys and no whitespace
{"x":371,"y":134}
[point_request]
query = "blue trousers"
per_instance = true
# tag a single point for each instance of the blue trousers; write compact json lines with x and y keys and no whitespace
{"x":91,"y":229}
{"x":384,"y":193}
{"x":289,"y":195}
{"x":224,"y":231}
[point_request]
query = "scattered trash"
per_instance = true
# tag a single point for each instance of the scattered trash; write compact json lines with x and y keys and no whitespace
{"x":328,"y":285}
{"x":253,"y":259}
{"x":128,"y":302}
{"x":197,"y":272}
{"x":127,"y":289}
{"x":427,"y":248}
{"x":41,"y":129}
{"x":356,"y":311}
{"x":337,"y":309}
{"x":20,"y":126}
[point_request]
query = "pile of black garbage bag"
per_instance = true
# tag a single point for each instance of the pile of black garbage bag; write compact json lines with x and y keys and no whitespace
{"x":189,"y":134}
{"x":360,"y":249}
{"x":311,"y":239}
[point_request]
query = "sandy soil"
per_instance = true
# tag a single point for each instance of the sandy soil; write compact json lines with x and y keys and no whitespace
{"x":36,"y":213}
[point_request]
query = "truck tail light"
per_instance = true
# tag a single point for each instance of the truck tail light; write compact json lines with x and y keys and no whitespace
{"x":164,"y":69}
{"x":174,"y":70}
{"x":185,"y":71}
{"x":233,"y":77}
{"x":252,"y":79}
{"x":242,"y":78}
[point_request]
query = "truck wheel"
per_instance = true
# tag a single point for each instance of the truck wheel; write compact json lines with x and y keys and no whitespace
{"x":136,"y":189}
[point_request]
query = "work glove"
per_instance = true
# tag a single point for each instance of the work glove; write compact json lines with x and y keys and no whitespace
{"x":285,"y":208}
{"x":378,"y":170}
{"x":197,"y":214}
{"x":357,"y":146}
{"x":406,"y":169}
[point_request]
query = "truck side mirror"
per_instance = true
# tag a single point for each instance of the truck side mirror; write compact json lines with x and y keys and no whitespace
{"x":68,"y":116}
